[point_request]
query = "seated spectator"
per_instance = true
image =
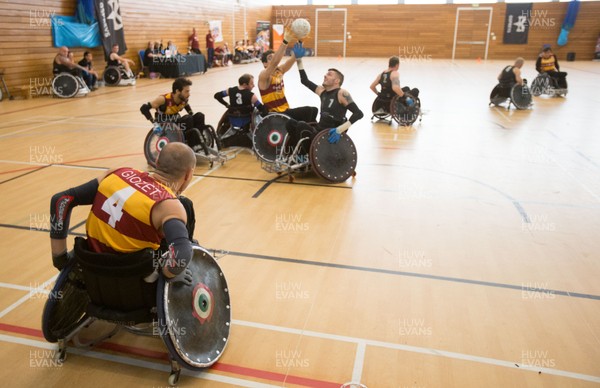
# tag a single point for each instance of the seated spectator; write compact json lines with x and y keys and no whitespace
{"x":171,"y":47}
{"x":115,"y":60}
{"x":62,"y":63}
{"x":90,"y":76}
{"x":548,"y":63}
{"x":148,"y":55}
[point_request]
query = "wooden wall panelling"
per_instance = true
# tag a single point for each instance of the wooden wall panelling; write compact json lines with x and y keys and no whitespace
{"x":26,"y":50}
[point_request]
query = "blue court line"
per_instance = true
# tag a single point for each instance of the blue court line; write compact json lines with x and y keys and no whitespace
{"x":544,"y":291}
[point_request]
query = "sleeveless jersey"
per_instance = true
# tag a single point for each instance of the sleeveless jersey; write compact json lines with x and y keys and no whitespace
{"x":59,"y":67}
{"x":548,"y":64}
{"x":240,"y":100}
{"x":112,"y":62}
{"x":508,"y":77}
{"x":274,"y":96}
{"x":332,"y":112}
{"x":386,"y":85}
{"x":170,"y":107}
{"x":120,"y":220}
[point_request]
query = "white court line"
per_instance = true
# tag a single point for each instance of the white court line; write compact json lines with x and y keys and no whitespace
{"x":135,"y":362}
{"x":422,"y":350}
{"x":215,"y":168}
{"x":26,"y":297}
{"x":359,"y":361}
{"x":34,"y":127}
{"x":362,"y":343}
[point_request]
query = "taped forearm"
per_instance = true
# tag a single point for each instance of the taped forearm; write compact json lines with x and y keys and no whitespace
{"x":62,"y":203}
{"x":305,"y":81}
{"x":357,"y":114}
{"x":180,"y":246}
{"x":220,"y":96}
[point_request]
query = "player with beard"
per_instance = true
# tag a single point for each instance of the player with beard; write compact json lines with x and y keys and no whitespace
{"x":167,"y":108}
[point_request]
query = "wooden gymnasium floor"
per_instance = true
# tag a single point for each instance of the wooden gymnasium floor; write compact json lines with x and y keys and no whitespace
{"x":464,"y":254}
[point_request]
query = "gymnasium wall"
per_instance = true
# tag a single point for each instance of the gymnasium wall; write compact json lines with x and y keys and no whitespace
{"x":428,"y":30}
{"x":26,"y":49}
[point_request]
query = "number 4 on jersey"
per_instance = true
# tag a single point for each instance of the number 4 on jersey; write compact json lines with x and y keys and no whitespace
{"x":114,"y":204}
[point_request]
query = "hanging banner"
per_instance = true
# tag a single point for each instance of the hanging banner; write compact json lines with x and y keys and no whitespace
{"x":110,"y":22}
{"x":216,"y":30}
{"x":516,"y":26}
{"x":263,"y":34}
{"x":278,"y":30}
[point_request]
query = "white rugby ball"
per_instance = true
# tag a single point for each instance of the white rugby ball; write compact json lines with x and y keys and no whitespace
{"x":300,"y":28}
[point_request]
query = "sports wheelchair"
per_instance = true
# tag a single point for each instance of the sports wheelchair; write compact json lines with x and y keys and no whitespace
{"x":517,"y":95}
{"x":235,"y":127}
{"x":117,"y":76}
{"x":67,"y":85}
{"x":546,"y":84}
{"x":130,"y":292}
{"x":209,"y":150}
{"x":404,"y":110}
{"x":333,"y":162}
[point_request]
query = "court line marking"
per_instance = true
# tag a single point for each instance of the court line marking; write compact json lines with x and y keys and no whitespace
{"x":543,"y":291}
{"x":135,"y":362}
{"x":411,"y":274}
{"x":515,"y":202}
{"x":34,"y":127}
{"x":25,"y":298}
{"x":359,"y":361}
{"x":164,"y":356}
{"x":24,"y":174}
{"x":419,"y":349}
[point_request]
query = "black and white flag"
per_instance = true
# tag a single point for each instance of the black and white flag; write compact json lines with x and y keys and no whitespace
{"x":110,"y":22}
{"x":516,"y":23}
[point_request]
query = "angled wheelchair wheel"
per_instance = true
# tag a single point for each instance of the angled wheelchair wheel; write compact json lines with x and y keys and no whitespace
{"x":540,"y":85}
{"x":496,"y":96}
{"x":209,"y":137}
{"x":194,"y":320}
{"x":65,"y":85}
{"x":154,"y":143}
{"x":520,"y":96}
{"x":223,"y":125}
{"x":66,"y":306}
{"x":381,"y":109}
{"x":404,"y":114}
{"x":112,"y":75}
{"x":333,"y":162}
{"x":269,"y":136}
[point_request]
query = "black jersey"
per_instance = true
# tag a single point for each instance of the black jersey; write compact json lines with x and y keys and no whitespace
{"x":332,"y":112}
{"x":240,"y":100}
{"x":385,"y":80}
{"x":59,"y":67}
{"x":112,"y":62}
{"x":508,"y":77}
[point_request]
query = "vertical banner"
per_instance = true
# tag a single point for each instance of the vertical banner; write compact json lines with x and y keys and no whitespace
{"x":277,"y":35}
{"x":110,"y":22}
{"x":216,"y":30}
{"x":263,"y":34}
{"x":516,"y":26}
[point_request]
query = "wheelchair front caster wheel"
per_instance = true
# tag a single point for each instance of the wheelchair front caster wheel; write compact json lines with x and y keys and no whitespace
{"x":174,"y":378}
{"x":61,"y":357}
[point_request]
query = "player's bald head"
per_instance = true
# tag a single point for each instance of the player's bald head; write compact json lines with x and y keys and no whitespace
{"x":175,"y":160}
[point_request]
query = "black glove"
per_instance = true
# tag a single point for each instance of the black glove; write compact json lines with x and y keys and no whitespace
{"x":62,"y":259}
{"x":184,"y":277}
